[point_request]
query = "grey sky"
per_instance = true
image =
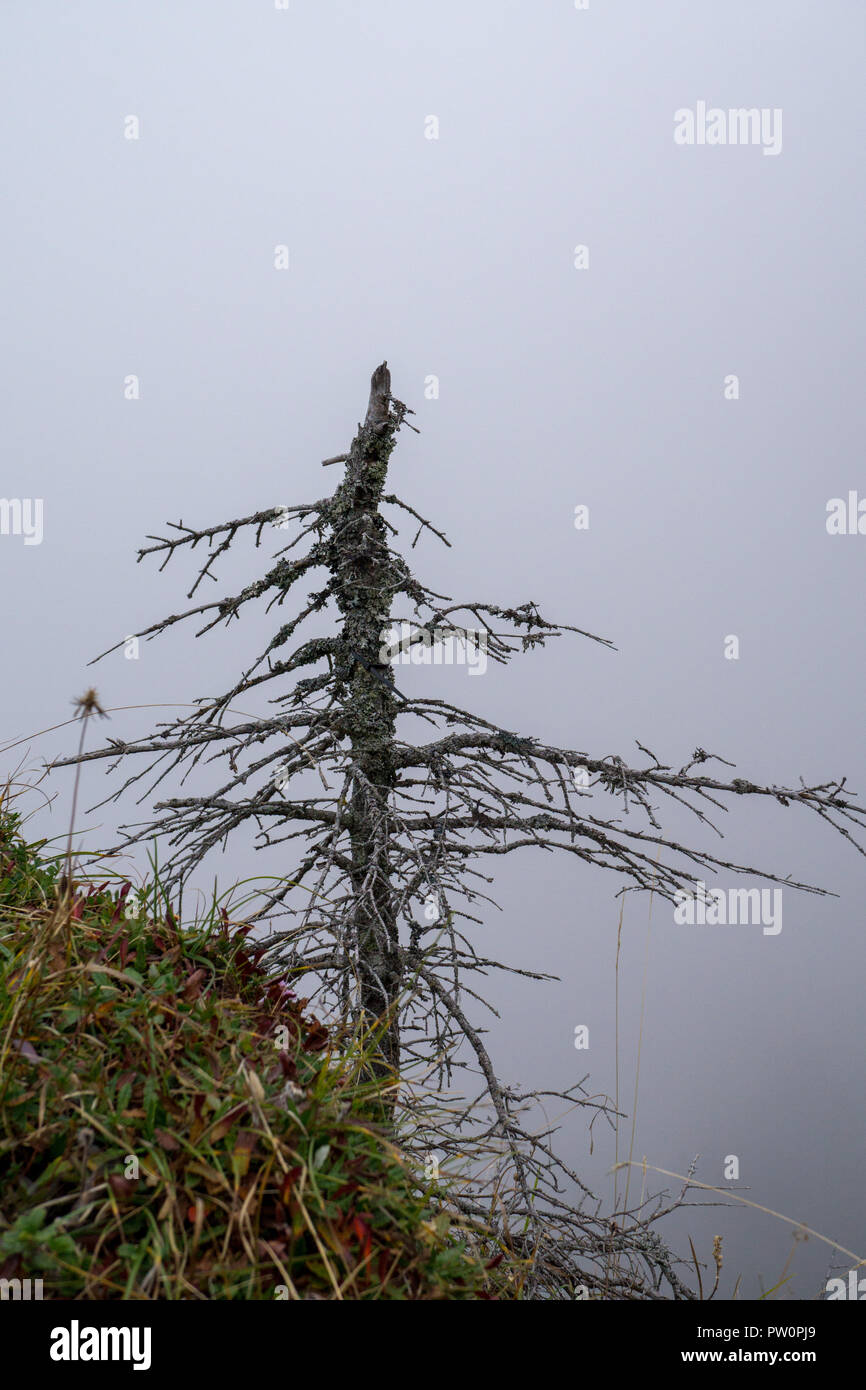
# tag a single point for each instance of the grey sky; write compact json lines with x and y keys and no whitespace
{"x":558,"y":386}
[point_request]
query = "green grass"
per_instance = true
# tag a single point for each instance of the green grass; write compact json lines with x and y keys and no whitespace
{"x":174,"y":1125}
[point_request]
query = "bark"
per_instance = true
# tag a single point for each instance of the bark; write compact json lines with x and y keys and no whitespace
{"x":366,"y":580}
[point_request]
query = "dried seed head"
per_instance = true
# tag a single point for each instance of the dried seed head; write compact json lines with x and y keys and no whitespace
{"x":88,"y":704}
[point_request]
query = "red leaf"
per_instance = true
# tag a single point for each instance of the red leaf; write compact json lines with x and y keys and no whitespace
{"x":288,"y":1066}
{"x":167,"y":1141}
{"x":192,"y":987}
{"x":317,"y":1037}
{"x":124,"y":889}
{"x":362,"y":1231}
{"x":121,"y":1187}
{"x":288,"y":1182}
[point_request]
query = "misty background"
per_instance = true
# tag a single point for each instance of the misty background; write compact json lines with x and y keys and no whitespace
{"x":454,"y":257}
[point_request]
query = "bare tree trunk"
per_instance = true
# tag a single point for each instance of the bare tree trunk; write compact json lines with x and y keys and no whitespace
{"x":366,"y":579}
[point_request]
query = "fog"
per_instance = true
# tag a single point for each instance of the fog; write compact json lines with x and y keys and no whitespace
{"x":158,"y":364}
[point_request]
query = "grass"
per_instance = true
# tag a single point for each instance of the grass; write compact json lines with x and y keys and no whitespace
{"x":174,"y":1124}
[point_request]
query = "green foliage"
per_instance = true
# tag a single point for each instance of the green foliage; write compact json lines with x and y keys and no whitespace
{"x":175,"y":1125}
{"x":24,"y":873}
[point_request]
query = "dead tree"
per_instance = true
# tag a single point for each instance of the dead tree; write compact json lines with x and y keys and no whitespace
{"x":388,"y":833}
